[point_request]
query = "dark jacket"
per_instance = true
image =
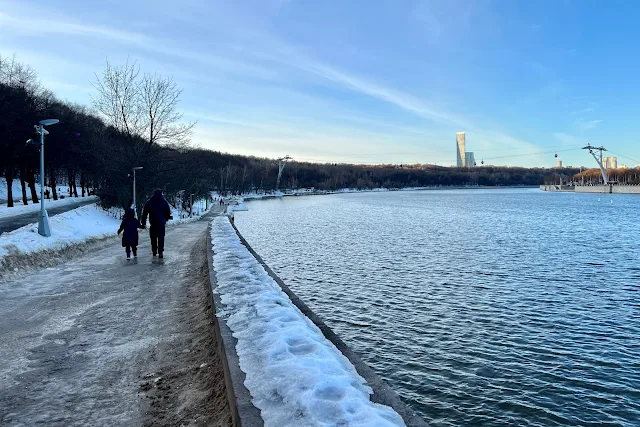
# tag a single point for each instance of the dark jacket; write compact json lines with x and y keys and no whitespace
{"x":157,"y":209}
{"x":129,"y":225}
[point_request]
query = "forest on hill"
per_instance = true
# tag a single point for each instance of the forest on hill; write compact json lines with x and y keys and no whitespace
{"x":135,"y":122}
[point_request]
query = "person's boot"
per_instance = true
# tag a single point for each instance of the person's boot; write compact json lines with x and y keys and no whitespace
{"x":128,"y":255}
{"x":135,"y":252}
{"x":160,"y":255}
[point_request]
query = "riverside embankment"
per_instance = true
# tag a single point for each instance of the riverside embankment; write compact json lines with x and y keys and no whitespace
{"x":283,"y":365}
{"x":600,"y":189}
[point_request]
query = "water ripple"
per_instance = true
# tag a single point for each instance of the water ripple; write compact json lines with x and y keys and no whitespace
{"x":484,"y":308}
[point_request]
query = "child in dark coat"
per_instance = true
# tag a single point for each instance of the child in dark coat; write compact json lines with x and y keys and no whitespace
{"x":130,"y":225}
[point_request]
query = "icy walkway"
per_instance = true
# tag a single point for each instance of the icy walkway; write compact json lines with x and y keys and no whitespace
{"x":101,"y":341}
{"x":296,"y":377}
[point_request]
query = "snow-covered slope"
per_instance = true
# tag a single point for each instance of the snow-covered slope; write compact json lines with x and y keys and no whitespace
{"x":20,"y":209}
{"x":75,"y":226}
{"x":17,"y":190}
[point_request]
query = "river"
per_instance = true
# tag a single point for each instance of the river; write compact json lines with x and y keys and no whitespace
{"x":479,"y":307}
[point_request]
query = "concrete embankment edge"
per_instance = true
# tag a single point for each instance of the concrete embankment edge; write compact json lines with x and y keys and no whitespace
{"x":382,"y":393}
{"x":599,"y":189}
{"x":243,"y":413}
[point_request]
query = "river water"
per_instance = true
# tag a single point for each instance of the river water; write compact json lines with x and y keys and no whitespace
{"x":479,"y":307}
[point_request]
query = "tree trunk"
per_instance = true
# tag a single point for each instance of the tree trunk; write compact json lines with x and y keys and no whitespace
{"x":31,"y":180}
{"x":70,"y":180}
{"x":82,"y":183}
{"x":23,"y":184}
{"x":9,"y":178}
{"x":32,"y":186}
{"x":52,"y":182}
{"x":75,"y":184}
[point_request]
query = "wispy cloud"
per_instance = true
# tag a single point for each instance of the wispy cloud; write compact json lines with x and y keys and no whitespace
{"x":588,"y":124}
{"x":254,"y":55}
{"x":38,"y":25}
{"x":389,"y":95}
{"x":568,"y":139}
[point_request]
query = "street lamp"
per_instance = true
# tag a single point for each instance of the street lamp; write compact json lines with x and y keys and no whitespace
{"x":137,"y":168}
{"x":44,"y":229}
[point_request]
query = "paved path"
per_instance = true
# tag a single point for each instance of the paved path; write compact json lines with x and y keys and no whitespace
{"x":104,"y":341}
{"x":14,"y":222}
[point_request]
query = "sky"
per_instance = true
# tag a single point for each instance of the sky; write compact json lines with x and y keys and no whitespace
{"x":382,"y":81}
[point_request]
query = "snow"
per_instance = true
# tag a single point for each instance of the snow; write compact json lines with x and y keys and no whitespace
{"x":72,"y":227}
{"x":294,"y":374}
{"x":17,"y":190}
{"x":20,"y":209}
{"x":182,"y":216}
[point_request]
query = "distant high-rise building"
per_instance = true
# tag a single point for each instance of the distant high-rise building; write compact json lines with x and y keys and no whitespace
{"x":610,"y":162}
{"x":559,"y":163}
{"x":460,"y":150}
{"x":469,"y":159}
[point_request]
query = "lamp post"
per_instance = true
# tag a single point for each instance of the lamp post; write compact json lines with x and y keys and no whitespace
{"x":135,"y":207}
{"x":44,"y":229}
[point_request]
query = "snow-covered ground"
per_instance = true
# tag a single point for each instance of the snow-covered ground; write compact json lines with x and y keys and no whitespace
{"x":294,"y":374}
{"x":72,"y":227}
{"x":20,"y":209}
{"x":76,"y":226}
{"x":17,"y":190}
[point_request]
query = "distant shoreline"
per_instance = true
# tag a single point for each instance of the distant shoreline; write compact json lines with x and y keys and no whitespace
{"x":297,"y":193}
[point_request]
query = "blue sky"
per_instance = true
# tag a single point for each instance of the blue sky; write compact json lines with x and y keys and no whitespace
{"x":362,"y":81}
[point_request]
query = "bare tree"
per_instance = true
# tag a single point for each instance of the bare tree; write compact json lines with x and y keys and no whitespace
{"x":144,"y":106}
{"x":15,"y":74}
{"x":118,"y":98}
{"x":159,"y":100}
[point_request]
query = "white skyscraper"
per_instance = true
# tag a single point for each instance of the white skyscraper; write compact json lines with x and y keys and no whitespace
{"x":470,"y":159}
{"x":460,"y":150}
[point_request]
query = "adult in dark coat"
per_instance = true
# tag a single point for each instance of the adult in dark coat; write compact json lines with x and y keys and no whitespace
{"x":129,"y":226}
{"x":159,"y":212}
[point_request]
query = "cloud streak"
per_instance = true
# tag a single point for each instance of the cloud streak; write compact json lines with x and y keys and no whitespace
{"x":588,"y":124}
{"x":40,"y":25}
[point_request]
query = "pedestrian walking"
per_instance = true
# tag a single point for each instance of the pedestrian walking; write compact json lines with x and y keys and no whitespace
{"x":158,"y":210}
{"x":129,"y":226}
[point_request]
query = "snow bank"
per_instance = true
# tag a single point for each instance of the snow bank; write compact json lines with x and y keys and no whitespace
{"x":294,"y":374}
{"x":20,"y":209}
{"x":17,"y":190}
{"x":181,"y":216}
{"x":75,"y":226}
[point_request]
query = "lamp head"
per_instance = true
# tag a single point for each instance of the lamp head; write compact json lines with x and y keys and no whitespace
{"x":49,"y":122}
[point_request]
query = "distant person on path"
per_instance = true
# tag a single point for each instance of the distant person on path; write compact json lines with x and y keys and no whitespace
{"x":159,"y":212}
{"x":130,"y":225}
